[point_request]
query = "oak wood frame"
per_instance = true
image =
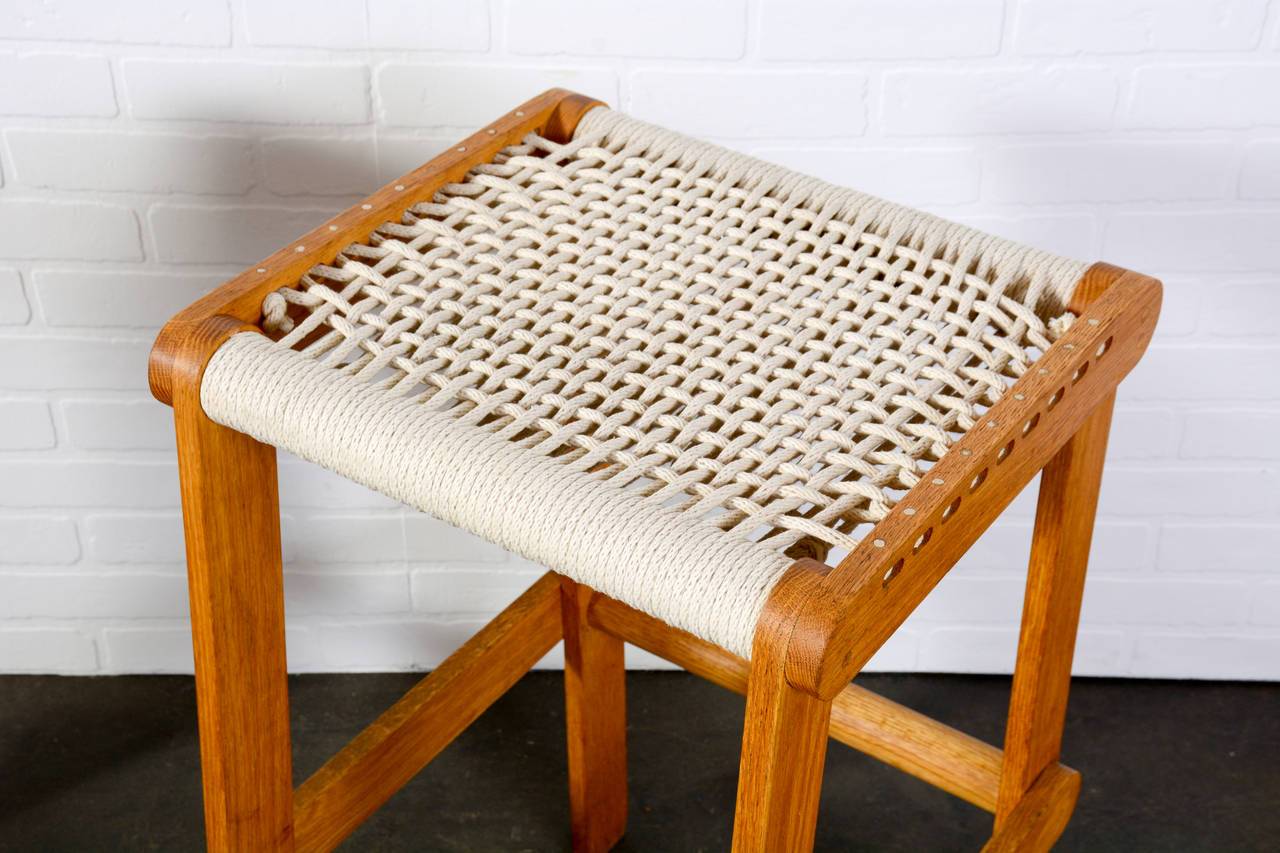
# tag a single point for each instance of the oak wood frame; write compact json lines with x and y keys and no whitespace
{"x":819,"y":628}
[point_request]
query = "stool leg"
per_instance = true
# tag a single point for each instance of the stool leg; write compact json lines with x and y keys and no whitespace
{"x":784,"y":736}
{"x":784,"y":747}
{"x":231,"y":515}
{"x":1051,"y":611}
{"x":596,"y":721}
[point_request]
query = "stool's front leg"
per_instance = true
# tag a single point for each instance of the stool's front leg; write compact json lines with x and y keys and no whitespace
{"x":596,"y":722}
{"x":784,"y":737}
{"x":231,"y":515}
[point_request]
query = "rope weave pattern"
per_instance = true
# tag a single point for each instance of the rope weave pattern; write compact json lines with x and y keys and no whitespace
{"x":729,"y":344}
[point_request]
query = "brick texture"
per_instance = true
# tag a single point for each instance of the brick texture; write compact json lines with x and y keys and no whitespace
{"x":55,"y":85}
{"x":116,"y":424}
{"x":72,"y":230}
{"x":207,"y":234}
{"x":1119,"y":171}
{"x":39,"y":540}
{"x":163,"y":22}
{"x":880,"y":29}
{"x":1128,"y":26}
{"x":417,"y":95}
{"x":279,"y":93}
{"x":1014,"y":100}
{"x":1259,"y":176}
{"x":132,"y":162}
{"x":117,"y":298}
{"x":333,"y":24}
{"x":302,"y":165}
{"x":1187,"y":97}
{"x":744,"y":104}
{"x":715,"y":29}
{"x":66,"y":651}
{"x":909,"y":175}
{"x":148,"y":152}
{"x":14,"y":308}
{"x":443,"y":25}
{"x":26,"y":425}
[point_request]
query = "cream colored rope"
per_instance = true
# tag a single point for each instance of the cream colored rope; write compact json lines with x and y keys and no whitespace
{"x":624,"y":355}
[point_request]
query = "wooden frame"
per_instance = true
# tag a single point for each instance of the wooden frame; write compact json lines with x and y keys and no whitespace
{"x":818,"y":630}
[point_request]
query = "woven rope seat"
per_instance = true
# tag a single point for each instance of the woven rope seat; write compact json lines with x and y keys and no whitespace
{"x":661,"y":368}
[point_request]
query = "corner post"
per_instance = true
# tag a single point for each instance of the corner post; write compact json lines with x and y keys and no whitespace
{"x":596,"y":725}
{"x":231,"y":516}
{"x":1065,"y":513}
{"x":784,"y":738}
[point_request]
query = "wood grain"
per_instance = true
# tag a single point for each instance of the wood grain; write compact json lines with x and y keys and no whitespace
{"x":952,"y":760}
{"x":555,"y":112}
{"x":818,"y":630}
{"x":1040,"y":816}
{"x":1060,"y":544}
{"x":596,"y":725}
{"x":873,"y":590}
{"x":360,"y":778}
{"x":1051,"y":610}
{"x":231,"y":518}
{"x":1097,"y":280}
{"x":784,"y":736}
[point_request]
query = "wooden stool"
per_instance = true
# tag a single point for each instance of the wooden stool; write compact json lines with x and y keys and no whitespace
{"x":747,"y":418}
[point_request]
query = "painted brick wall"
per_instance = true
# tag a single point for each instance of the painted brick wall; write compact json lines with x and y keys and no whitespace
{"x":151,"y":148}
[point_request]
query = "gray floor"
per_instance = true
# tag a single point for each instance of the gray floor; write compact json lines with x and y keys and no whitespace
{"x":111,"y":764}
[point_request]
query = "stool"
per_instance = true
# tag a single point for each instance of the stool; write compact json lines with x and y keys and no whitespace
{"x":748,"y":420}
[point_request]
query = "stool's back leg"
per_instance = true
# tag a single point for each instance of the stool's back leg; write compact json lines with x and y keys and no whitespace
{"x":1055,"y":582}
{"x":231,"y":514}
{"x":596,"y":722}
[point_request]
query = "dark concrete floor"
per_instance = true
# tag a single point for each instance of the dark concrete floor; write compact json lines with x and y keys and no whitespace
{"x":92,"y":764}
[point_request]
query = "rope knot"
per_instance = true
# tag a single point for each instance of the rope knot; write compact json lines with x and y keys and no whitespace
{"x":275,"y":311}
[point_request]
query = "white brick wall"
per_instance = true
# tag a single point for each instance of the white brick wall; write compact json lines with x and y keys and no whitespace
{"x":223,"y":90}
{"x":149,"y":150}
{"x":59,"y":85}
{"x":822,"y":30}
{"x":126,"y":162}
